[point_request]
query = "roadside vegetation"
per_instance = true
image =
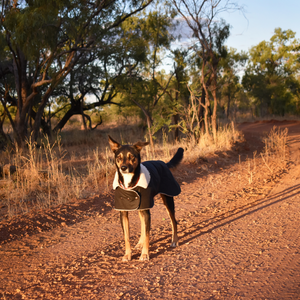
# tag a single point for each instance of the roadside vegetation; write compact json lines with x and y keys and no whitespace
{"x":73,"y":71}
{"x":53,"y":174}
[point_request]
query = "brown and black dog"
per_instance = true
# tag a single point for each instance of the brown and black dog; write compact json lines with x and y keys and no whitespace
{"x":135,"y":186}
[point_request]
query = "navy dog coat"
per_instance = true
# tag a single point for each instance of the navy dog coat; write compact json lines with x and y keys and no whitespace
{"x":155,"y":178}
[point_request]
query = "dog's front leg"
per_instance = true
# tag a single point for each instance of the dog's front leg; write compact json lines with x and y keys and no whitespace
{"x":145,"y":218}
{"x":140,"y":243}
{"x":125,"y":226}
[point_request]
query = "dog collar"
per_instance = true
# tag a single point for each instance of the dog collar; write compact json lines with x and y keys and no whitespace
{"x":143,"y":181}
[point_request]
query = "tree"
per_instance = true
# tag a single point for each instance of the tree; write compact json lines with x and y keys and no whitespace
{"x":100,"y":72}
{"x":270,"y":77}
{"x":229,"y":81}
{"x":200,"y":16}
{"x":44,"y":41}
{"x":143,"y":85}
{"x":178,"y":91}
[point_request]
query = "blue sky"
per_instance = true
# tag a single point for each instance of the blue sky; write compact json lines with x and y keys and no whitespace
{"x":258,"y":23}
{"x":263,"y":16}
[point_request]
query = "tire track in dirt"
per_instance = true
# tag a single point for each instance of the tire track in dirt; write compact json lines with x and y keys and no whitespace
{"x":108,"y":259}
{"x":281,"y":264}
{"x":236,"y":241}
{"x":272,"y":272}
{"x":283,"y":276}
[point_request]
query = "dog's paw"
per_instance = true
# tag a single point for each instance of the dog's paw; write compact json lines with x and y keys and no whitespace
{"x":144,"y":257}
{"x":126,"y":258}
{"x":174,"y":244}
{"x":138,"y":246}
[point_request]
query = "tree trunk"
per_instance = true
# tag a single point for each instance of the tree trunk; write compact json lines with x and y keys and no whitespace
{"x":206,"y":106}
{"x":176,"y":116}
{"x":39,"y":114}
{"x":83,"y":116}
{"x":149,"y":123}
{"x":228,"y":103}
{"x":19,"y":67}
{"x":176,"y":134}
{"x":64,"y":120}
{"x":201,"y":109}
{"x":214,"y":115}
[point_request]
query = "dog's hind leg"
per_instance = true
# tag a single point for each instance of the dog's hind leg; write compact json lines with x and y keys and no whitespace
{"x":169,"y":203}
{"x":145,"y":218}
{"x":125,"y":226}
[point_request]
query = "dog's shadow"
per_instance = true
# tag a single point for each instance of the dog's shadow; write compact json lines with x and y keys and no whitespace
{"x":160,"y":246}
{"x":195,"y":227}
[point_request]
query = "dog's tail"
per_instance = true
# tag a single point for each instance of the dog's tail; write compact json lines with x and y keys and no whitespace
{"x":177,"y":158}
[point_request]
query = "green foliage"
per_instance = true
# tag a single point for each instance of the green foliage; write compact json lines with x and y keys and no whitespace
{"x":149,"y":34}
{"x":64,"y":48}
{"x":229,"y":81}
{"x":220,"y":33}
{"x":271,"y":75}
{"x":34,"y":26}
{"x":65,"y":51}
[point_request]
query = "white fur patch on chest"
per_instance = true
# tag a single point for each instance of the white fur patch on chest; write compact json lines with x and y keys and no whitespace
{"x":127,"y":177}
{"x":143,"y":181}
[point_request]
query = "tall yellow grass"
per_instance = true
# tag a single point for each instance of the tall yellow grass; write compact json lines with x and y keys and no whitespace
{"x":274,"y":155}
{"x":276,"y":143}
{"x":76,"y":167}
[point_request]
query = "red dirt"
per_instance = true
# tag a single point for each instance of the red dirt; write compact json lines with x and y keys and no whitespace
{"x":238,"y":229}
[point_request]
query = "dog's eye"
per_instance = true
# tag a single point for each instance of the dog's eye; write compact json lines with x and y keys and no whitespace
{"x":131,"y":157}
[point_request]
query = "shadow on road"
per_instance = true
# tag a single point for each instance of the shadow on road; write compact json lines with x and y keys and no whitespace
{"x":220,"y":220}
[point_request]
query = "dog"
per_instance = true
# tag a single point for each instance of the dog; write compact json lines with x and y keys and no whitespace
{"x":135,"y":186}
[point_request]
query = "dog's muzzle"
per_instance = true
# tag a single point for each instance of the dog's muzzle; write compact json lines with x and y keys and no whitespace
{"x":126,"y":169}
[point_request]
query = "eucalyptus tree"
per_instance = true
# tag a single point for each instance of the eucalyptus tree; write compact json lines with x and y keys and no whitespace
{"x":271,"y":75}
{"x":210,"y":35}
{"x":145,"y":85}
{"x":44,"y":41}
{"x":177,"y":90}
{"x":229,"y":79}
{"x":95,"y":81}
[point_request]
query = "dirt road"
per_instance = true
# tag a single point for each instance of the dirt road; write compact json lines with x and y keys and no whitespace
{"x":238,"y":229}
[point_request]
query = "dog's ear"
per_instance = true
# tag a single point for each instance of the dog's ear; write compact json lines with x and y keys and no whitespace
{"x":139,"y":145}
{"x":114,"y":146}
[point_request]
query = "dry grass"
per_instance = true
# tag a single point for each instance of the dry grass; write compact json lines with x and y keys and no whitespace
{"x":80,"y":164}
{"x":274,"y":155}
{"x":226,"y":137}
{"x":275,"y":151}
{"x":39,"y":181}
{"x":275,"y":143}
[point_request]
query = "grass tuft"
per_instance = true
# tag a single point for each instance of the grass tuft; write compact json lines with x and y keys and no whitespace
{"x":59,"y":172}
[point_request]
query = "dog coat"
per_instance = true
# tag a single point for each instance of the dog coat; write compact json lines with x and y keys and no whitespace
{"x":155,"y":178}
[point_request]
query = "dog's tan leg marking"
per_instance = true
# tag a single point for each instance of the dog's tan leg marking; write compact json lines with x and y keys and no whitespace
{"x":169,"y":203}
{"x":145,"y":234}
{"x":125,"y":226}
